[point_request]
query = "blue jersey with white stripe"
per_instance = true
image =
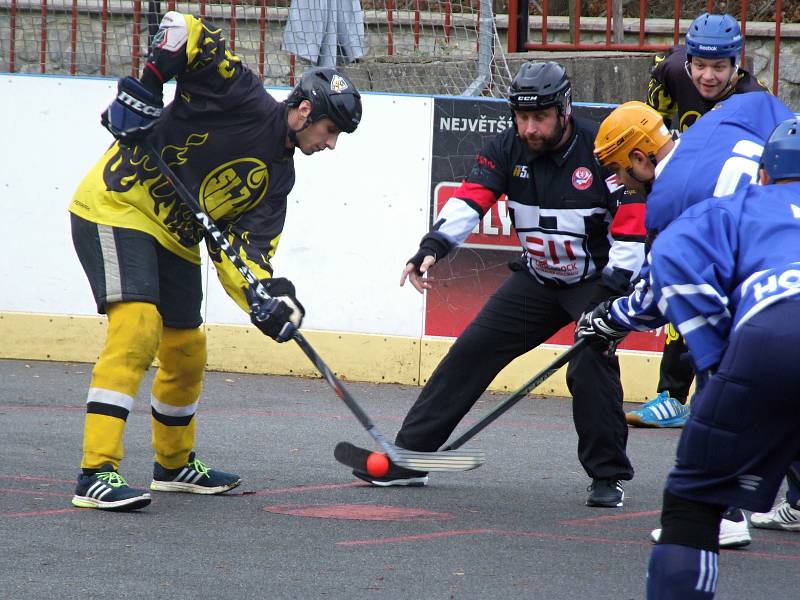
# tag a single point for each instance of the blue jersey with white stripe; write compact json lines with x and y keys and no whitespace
{"x":716,"y":156}
{"x":725,"y":260}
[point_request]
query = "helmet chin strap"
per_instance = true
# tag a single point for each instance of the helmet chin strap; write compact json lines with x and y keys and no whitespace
{"x":647,"y":185}
{"x":293,"y":132}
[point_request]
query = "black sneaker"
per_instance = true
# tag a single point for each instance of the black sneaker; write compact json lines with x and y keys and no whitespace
{"x":605,"y":492}
{"x":193,"y":478}
{"x":395,"y":476}
{"x":107,"y":490}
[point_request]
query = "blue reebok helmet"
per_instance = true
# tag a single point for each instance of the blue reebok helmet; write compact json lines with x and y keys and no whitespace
{"x":714,"y":36}
{"x":781,"y":157}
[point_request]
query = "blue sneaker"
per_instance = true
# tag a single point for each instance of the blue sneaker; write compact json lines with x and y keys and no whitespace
{"x":107,"y":490}
{"x":661,"y":411}
{"x":192,"y":478}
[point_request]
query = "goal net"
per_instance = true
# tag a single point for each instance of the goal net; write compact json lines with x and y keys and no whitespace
{"x":447,"y":47}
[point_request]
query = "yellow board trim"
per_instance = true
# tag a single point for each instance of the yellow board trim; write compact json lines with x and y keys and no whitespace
{"x":352,"y":356}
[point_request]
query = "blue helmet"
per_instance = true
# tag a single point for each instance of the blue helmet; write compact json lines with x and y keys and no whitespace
{"x":714,"y":36}
{"x":781,"y":157}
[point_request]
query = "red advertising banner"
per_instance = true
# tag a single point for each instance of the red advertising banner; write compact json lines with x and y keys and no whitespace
{"x":462,"y":282}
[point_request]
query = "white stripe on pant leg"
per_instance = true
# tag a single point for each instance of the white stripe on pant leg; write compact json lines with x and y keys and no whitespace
{"x":110,"y":397}
{"x":716,"y":573}
{"x":108,"y":246}
{"x":172,"y":411}
{"x":701,"y":579}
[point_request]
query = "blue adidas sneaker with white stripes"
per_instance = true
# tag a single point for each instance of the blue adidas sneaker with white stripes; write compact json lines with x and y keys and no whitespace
{"x":661,"y":411}
{"x":106,"y":489}
{"x":193,"y":478}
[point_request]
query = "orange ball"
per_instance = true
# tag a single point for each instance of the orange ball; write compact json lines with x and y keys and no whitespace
{"x":377,"y":464}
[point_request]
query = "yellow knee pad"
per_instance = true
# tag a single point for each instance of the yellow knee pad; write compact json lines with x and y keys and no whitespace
{"x":134,"y":331}
{"x":176,"y":388}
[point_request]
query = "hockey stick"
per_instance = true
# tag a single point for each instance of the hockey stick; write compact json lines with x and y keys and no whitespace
{"x":427,"y":461}
{"x":534,"y":382}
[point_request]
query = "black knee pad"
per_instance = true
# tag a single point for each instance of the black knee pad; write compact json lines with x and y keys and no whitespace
{"x":690,"y":523}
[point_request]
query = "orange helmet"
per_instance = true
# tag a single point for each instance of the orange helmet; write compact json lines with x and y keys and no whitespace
{"x":630,"y":126}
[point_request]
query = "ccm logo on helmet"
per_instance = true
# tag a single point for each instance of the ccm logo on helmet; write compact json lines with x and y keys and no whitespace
{"x":138,"y":105}
{"x":526,"y":98}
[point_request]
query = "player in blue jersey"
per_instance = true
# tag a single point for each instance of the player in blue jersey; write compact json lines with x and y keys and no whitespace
{"x":718,"y":155}
{"x":685,"y":84}
{"x":726,"y":274}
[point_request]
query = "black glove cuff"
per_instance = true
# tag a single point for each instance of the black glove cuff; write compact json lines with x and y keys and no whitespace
{"x":279,"y":286}
{"x":431,"y":245}
{"x":435,"y":244}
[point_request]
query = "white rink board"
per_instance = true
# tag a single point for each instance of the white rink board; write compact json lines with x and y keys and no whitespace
{"x":355,"y":214}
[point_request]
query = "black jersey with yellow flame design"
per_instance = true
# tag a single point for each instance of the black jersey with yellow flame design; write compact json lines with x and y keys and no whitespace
{"x":225,"y":138}
{"x":672,"y":93}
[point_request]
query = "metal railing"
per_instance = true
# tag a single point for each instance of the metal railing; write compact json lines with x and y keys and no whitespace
{"x":615,"y":29}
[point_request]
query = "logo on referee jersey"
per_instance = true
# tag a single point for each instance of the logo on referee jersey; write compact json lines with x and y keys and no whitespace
{"x":582,"y":178}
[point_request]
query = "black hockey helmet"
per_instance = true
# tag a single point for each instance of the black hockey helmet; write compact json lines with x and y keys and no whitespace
{"x":540,"y":85}
{"x":331,"y":94}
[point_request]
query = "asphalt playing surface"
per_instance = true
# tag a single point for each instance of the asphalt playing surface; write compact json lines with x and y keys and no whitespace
{"x":301,"y":526}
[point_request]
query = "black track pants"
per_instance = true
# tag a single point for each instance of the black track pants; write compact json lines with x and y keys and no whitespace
{"x":675,"y":372}
{"x":518,"y":317}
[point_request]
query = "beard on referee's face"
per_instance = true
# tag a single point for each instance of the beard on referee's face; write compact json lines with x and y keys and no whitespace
{"x":542,"y":130}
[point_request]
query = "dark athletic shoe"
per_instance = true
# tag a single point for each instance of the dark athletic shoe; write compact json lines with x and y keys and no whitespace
{"x":607,"y":493}
{"x":395,"y":476}
{"x":192,"y":478}
{"x":106,"y":489}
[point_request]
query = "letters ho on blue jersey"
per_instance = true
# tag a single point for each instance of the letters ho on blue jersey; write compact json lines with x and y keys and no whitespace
{"x":767,"y":287}
{"x":716,"y":156}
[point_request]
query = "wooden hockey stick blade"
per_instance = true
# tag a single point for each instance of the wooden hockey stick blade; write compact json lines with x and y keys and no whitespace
{"x":463,"y":459}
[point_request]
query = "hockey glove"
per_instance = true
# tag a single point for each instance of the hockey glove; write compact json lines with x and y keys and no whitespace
{"x":133,"y":112}
{"x":431,"y":245}
{"x":280,"y":315}
{"x":599,"y":329}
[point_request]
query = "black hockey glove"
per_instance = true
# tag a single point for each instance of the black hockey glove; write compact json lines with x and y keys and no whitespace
{"x":133,"y":112}
{"x":430,"y":245}
{"x":599,"y":329}
{"x":280,"y":315}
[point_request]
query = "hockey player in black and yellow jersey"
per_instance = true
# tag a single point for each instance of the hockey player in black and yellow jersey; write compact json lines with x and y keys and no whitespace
{"x":232,"y":144}
{"x":690,"y":79}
